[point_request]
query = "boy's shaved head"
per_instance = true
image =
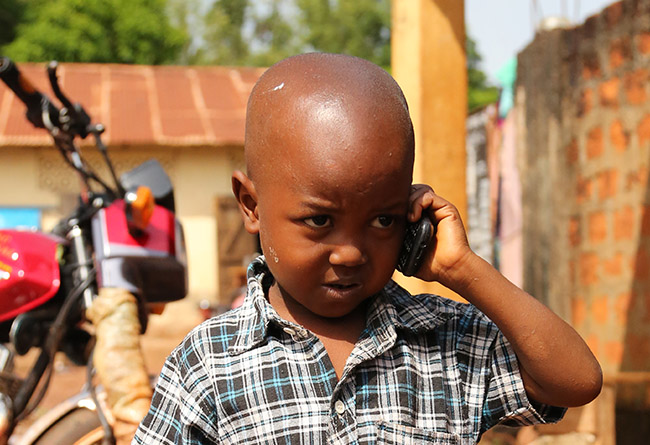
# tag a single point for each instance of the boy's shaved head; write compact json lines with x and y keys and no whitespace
{"x":321,"y":99}
{"x":329,"y":152}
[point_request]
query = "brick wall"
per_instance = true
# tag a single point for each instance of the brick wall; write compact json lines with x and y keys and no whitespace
{"x":583,"y":95}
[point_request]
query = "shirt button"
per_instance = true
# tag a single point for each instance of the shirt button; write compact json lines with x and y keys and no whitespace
{"x":289,"y":331}
{"x":339,"y":406}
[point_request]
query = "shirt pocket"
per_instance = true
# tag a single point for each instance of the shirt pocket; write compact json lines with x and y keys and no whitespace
{"x":394,"y":433}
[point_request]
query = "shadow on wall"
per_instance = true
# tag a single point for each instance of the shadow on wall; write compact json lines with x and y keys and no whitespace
{"x":633,"y":310}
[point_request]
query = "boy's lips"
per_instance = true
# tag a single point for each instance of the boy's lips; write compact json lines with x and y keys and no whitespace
{"x":342,"y":286}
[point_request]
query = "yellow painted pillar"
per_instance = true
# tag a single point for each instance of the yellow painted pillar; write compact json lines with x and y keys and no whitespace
{"x":428,"y":61}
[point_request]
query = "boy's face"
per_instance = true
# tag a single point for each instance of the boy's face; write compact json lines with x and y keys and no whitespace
{"x":332,"y":206}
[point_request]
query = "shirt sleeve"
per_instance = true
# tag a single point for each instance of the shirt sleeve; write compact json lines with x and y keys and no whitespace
{"x":506,"y":401}
{"x":181,"y":410}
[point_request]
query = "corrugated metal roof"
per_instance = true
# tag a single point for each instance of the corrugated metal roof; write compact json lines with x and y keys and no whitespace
{"x":142,"y":105}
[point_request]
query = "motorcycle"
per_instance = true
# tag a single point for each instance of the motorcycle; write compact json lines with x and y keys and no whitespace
{"x":87,"y":288}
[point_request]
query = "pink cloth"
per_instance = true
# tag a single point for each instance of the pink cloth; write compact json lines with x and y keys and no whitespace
{"x":510,"y":212}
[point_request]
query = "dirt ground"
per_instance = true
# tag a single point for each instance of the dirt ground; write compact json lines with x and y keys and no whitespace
{"x":163,"y":334}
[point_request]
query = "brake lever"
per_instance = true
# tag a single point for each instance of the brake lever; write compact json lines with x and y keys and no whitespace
{"x":73,"y":117}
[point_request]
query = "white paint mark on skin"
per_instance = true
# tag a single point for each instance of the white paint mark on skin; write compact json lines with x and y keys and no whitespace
{"x":274,"y":255}
{"x":279,"y":87}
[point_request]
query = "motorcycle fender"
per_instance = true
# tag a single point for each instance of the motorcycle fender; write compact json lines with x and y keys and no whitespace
{"x":54,"y":415}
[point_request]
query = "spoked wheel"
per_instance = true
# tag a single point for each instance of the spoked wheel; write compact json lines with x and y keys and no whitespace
{"x":79,"y":427}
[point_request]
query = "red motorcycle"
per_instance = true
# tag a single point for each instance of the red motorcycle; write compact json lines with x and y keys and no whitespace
{"x":87,"y":286}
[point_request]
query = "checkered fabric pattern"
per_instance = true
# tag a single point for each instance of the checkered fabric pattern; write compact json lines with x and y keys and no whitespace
{"x":425,"y":370}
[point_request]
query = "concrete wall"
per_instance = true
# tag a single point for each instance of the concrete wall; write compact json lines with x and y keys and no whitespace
{"x":584,"y":100}
{"x":38,"y":177}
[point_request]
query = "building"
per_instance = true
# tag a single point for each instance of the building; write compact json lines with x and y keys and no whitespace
{"x":191,"y":119}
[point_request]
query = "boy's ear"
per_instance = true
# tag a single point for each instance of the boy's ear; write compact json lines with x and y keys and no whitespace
{"x":246,"y":196}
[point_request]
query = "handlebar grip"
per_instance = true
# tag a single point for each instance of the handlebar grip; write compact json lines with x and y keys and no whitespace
{"x":30,"y":96}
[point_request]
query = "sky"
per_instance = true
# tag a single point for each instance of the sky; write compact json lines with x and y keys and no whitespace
{"x":502,"y":28}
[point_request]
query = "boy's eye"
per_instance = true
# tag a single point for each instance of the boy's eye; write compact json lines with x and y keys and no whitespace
{"x":383,"y":221}
{"x":318,"y":221}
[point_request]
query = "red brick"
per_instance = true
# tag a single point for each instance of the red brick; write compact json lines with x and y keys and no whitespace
{"x":643,"y":130}
{"x":593,"y":342}
{"x":589,"y":269}
{"x":572,"y":152}
{"x":622,"y":307}
{"x":608,"y":92}
{"x":599,"y":309}
{"x":614,"y":265}
{"x":645,"y":220}
{"x":614,"y":352}
{"x":619,"y":52}
{"x":618,"y":136}
{"x":637,"y":178}
{"x":624,"y":223}
{"x":590,"y":66}
{"x":643,"y":42}
{"x":638,"y":349}
{"x":574,"y":231}
{"x":613,"y":14}
{"x":595,"y":143}
{"x":641,"y":263}
{"x":634,"y":85}
{"x":586,"y":101}
{"x":597,"y":227}
{"x":607,"y":183}
{"x":578,"y":311}
{"x":584,"y":189}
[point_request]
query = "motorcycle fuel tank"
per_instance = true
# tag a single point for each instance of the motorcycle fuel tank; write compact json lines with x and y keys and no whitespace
{"x":29,"y":271}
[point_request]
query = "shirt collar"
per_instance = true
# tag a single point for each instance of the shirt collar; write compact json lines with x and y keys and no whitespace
{"x":391,"y":309}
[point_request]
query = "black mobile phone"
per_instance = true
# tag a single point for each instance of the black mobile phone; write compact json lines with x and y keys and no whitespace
{"x":419,"y":236}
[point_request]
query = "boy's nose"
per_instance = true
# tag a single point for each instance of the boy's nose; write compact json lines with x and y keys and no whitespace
{"x":347,"y":254}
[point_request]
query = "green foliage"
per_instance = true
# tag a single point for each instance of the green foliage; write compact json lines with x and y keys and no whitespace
{"x":11,"y":13}
{"x":224,"y":40}
{"x":357,"y":27}
{"x":244,"y":32}
{"x":223,"y":32}
{"x":274,"y":35}
{"x":479,"y":92}
{"x":262,"y":32}
{"x":123,"y":31}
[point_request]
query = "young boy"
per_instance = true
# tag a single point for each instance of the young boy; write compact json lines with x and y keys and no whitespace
{"x":326,"y":348}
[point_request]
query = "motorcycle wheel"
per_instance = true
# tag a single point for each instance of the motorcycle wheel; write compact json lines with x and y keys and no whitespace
{"x":79,"y":427}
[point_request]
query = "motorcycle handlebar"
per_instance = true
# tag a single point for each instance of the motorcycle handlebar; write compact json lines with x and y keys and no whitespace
{"x":27,"y":93}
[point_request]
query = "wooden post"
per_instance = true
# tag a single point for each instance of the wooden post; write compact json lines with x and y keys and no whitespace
{"x":428,"y":61}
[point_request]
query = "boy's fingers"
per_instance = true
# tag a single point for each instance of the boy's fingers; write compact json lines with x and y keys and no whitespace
{"x":423,"y":198}
{"x":420,"y":198}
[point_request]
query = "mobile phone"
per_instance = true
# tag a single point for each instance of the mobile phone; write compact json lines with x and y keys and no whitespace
{"x":419,"y":235}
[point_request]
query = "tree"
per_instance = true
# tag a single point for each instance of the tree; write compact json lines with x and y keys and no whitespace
{"x":11,"y":13}
{"x":259,"y":33}
{"x":243,"y":32}
{"x":185,"y":15}
{"x":124,"y":31}
{"x":263,"y":32}
{"x":224,"y":40}
{"x":274,"y":36}
{"x":357,"y":27}
{"x":479,"y":92}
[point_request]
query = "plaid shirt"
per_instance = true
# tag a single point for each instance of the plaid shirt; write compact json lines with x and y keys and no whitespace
{"x":425,"y":369}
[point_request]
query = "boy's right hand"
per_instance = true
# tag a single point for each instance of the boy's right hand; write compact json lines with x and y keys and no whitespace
{"x":556,"y":366}
{"x":450,"y":249}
